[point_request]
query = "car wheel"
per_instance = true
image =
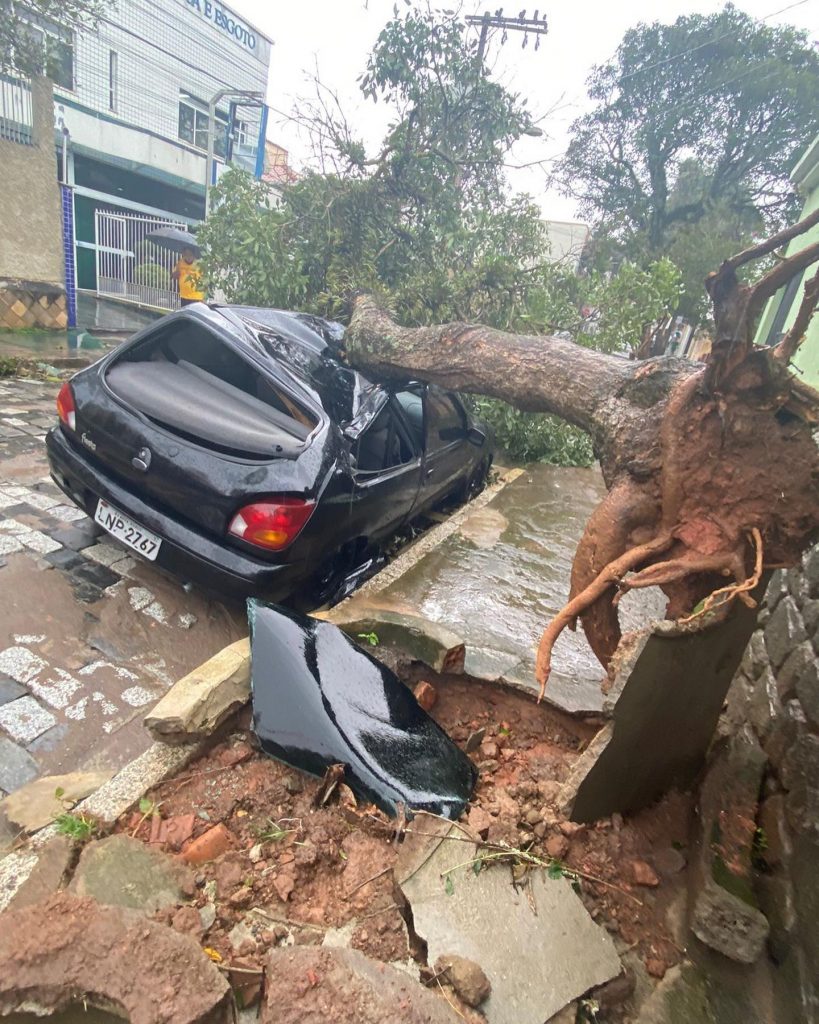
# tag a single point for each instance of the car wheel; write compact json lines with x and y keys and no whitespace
{"x":476,"y":483}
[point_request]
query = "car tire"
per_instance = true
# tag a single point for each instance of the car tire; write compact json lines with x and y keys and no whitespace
{"x":477,"y":481}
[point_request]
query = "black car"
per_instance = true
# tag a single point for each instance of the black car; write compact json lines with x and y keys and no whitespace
{"x":233,"y":447}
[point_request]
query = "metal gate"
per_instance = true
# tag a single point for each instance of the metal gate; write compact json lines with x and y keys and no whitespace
{"x":129,"y":266}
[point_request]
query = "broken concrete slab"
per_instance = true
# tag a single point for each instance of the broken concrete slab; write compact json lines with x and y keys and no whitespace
{"x":669,"y":687}
{"x":48,"y":875}
{"x":542,"y":927}
{"x":415,"y":636}
{"x":724,"y":910}
{"x":120,"y":871}
{"x":577,"y":693}
{"x":314,"y":984}
{"x":67,"y":950}
{"x":37,"y":803}
{"x":199,"y":702}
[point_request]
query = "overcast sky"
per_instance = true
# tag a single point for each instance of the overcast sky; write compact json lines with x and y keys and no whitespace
{"x":337,"y":35}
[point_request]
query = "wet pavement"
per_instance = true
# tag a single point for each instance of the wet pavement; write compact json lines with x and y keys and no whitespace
{"x":504,"y":573}
{"x":89,"y":635}
{"x":47,"y":346}
{"x":101,"y":324}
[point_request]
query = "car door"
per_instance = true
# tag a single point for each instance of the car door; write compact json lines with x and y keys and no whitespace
{"x":387,"y":475}
{"x":446,"y":447}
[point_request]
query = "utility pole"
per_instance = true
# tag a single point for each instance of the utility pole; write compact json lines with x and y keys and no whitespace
{"x":535,"y":26}
{"x":251,"y":98}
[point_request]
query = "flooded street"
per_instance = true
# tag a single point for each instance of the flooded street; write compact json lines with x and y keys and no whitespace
{"x":504,"y":574}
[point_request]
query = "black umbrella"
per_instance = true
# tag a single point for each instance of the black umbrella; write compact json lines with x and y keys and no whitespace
{"x":175,"y":239}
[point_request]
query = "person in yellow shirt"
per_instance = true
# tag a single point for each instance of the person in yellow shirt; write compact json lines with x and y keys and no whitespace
{"x":188,"y":278}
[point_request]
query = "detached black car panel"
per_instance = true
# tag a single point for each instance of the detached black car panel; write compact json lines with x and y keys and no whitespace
{"x":232,"y":447}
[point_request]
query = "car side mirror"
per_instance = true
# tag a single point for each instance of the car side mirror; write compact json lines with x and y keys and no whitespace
{"x":476,"y":436}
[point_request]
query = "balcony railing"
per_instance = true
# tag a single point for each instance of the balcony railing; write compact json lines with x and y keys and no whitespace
{"x":16,"y":111}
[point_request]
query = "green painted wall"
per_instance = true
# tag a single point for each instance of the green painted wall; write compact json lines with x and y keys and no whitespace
{"x":806,"y":177}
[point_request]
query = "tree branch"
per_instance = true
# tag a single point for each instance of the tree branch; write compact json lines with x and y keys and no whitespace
{"x":780,"y":275}
{"x":786,"y":349}
{"x":773,"y":243}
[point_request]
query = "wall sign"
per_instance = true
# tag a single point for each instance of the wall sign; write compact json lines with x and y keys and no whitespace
{"x":225,"y":21}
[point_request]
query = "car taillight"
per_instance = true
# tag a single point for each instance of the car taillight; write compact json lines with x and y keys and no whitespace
{"x":271,"y":524}
{"x":65,"y":407}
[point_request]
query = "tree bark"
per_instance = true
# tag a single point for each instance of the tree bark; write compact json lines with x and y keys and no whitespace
{"x":602,"y":394}
{"x":712,"y":468}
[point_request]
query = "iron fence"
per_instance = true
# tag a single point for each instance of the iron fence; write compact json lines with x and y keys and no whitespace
{"x":130,"y":267}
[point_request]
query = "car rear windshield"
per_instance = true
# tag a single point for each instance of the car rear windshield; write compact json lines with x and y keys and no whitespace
{"x":187,"y":380}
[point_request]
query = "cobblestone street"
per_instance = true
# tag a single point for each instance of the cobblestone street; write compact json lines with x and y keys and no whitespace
{"x":90,"y":635}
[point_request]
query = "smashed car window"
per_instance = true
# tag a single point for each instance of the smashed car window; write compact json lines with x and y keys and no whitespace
{"x":412,"y":403}
{"x":445,"y":420}
{"x":383,"y":445}
{"x":187,"y":380}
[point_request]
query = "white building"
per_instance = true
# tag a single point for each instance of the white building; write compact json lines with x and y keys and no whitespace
{"x":133,"y":96}
{"x":567,"y":240}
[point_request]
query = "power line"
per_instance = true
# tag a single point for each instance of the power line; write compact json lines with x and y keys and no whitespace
{"x":701,"y":46}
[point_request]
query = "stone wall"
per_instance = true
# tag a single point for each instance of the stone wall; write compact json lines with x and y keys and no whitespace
{"x":31,"y":248}
{"x":776,"y":691}
{"x":32,"y":304}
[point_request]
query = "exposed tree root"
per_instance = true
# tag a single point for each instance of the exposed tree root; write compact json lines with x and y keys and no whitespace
{"x":608,"y":577}
{"x":722,"y":597}
{"x":734,"y":462}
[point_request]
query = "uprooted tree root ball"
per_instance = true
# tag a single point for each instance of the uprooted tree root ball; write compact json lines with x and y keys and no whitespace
{"x":712,"y":468}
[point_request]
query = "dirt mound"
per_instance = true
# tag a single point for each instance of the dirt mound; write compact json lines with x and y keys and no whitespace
{"x":67,"y":949}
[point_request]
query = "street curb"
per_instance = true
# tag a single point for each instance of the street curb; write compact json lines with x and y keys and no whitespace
{"x":156,"y":764}
{"x":429,"y":540}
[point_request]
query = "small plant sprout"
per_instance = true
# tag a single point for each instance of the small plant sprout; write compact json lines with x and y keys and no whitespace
{"x":369,"y":638}
{"x":78,"y":827}
{"x":60,"y":797}
{"x":147,"y":807}
{"x":274,"y":831}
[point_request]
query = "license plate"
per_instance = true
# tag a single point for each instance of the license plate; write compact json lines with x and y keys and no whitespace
{"x":130,"y":533}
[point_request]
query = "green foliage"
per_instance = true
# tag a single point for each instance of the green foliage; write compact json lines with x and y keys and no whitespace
{"x":628,"y":302}
{"x":78,"y":827}
{"x":427,"y":224}
{"x":534,"y":437}
{"x":152,"y":275}
{"x":688,"y":149}
{"x":11,"y":366}
{"x":369,"y":638}
{"x":26,"y":51}
{"x":245,"y":250}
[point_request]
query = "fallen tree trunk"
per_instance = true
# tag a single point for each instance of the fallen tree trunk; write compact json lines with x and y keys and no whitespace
{"x":712,"y":469}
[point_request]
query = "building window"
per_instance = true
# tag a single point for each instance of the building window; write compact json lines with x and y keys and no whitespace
{"x":59,"y":62}
{"x":113,"y":75}
{"x":55,"y":51}
{"x":193,"y":128}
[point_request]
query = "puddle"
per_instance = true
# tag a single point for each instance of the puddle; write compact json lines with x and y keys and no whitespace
{"x":48,"y":345}
{"x":498,"y":580}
